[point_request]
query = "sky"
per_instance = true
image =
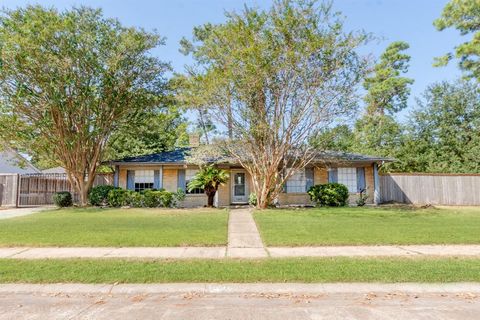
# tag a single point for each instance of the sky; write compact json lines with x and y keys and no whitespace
{"x":389,"y":20}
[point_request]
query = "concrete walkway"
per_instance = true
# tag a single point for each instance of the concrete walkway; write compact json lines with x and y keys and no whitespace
{"x":241,"y":301}
{"x":244,"y":240}
{"x":239,"y":252}
{"x":18,"y":212}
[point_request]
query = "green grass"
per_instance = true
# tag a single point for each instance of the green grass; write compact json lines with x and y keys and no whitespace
{"x":267,"y":270}
{"x":369,"y":226}
{"x":117,"y":227}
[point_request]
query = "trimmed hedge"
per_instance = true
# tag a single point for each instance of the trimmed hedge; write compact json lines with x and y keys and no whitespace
{"x":149,"y":198}
{"x":98,"y":196}
{"x":63,"y":199}
{"x":329,"y":194}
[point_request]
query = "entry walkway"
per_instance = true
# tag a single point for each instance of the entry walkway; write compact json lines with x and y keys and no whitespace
{"x":244,"y":240}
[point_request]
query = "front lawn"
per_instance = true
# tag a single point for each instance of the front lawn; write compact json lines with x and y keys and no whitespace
{"x":117,"y":228}
{"x":368,"y":226}
{"x":230,"y":270}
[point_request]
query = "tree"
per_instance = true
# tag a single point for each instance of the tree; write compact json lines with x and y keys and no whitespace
{"x":463,"y":15}
{"x":275,"y":78}
{"x":338,"y":138}
{"x":443,"y":130}
{"x":209,"y":178}
{"x":70,"y":79}
{"x":386,"y":89}
{"x":377,"y":132}
{"x":155,"y":131}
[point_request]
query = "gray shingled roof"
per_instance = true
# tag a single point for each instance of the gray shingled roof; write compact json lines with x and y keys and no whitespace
{"x":178,"y":156}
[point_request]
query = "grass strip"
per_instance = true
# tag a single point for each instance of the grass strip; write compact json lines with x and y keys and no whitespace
{"x":305,"y":270}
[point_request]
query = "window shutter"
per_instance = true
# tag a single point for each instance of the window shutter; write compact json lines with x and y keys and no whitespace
{"x":181,"y":179}
{"x":308,"y":178}
{"x":156,"y":179}
{"x":360,"y":179}
{"x":333,"y":175}
{"x":116,"y":176}
{"x":131,"y":179}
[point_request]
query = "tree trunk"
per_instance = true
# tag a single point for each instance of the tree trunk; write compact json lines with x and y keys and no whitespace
{"x":211,"y":197}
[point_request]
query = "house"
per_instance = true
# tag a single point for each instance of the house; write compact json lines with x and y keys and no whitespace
{"x":13,"y":162}
{"x":169,"y":170}
{"x":57,"y":170}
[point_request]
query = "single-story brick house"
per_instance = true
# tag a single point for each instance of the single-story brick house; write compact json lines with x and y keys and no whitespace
{"x":170,"y":171}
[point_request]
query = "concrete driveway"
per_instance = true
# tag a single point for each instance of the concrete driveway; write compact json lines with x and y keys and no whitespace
{"x":18,"y":212}
{"x":256,"y":301}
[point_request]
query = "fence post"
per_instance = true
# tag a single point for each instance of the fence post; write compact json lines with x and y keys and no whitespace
{"x":17,"y":195}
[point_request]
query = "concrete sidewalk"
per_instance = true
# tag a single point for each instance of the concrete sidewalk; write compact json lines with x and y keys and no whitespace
{"x":247,"y":253}
{"x":241,"y":301}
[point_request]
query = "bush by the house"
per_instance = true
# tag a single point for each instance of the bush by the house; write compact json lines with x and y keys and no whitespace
{"x":362,"y":198}
{"x":252,"y":199}
{"x":329,"y":194}
{"x":98,"y":196}
{"x":117,"y":197}
{"x":63,"y":199}
{"x":134,"y":199}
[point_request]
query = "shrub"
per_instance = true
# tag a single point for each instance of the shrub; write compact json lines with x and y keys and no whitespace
{"x":329,"y":194}
{"x":178,"y":196}
{"x":159,"y":198}
{"x":134,"y":199}
{"x":362,"y":198}
{"x":63,"y":199}
{"x":117,"y":197}
{"x":98,"y":195}
{"x":252,"y":199}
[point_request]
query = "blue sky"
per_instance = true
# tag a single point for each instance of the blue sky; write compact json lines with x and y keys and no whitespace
{"x":392,"y":20}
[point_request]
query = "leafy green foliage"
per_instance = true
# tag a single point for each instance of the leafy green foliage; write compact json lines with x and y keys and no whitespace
{"x":463,"y":15}
{"x":387,"y":90}
{"x":69,"y":79}
{"x":329,"y":194}
{"x":149,"y":198}
{"x":117,"y":197}
{"x":98,"y":195}
{"x":158,"y":198}
{"x":273,"y":78}
{"x":63,"y":199}
{"x":252,"y":199}
{"x":362,"y":198}
{"x":443,"y":130}
{"x":209,"y":178}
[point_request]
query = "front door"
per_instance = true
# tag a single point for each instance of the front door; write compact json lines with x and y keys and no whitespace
{"x":239,"y":187}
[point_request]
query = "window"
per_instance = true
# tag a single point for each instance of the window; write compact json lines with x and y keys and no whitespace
{"x":348,"y":177}
{"x":189,"y":174}
{"x":297,"y":182}
{"x":143,"y":180}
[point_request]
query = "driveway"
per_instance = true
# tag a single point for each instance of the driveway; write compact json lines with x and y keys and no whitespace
{"x":256,"y":301}
{"x":18,"y":212}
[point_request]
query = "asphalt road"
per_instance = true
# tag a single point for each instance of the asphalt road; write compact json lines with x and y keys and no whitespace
{"x":151,"y":304}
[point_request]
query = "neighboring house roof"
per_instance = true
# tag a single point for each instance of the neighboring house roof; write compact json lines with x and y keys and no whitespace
{"x":177,"y":156}
{"x":55,"y":170}
{"x":13,"y":162}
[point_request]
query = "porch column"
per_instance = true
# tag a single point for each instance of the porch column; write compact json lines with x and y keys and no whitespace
{"x":376,"y":184}
{"x":115,"y":176}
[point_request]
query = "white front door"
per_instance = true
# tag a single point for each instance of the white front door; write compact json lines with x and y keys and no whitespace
{"x":239,"y":186}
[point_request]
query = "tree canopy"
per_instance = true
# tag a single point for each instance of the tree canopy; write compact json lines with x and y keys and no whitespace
{"x":274,"y":78}
{"x":69,"y":79}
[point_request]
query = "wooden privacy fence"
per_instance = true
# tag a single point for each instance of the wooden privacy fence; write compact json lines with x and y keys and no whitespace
{"x":38,"y":189}
{"x":8,"y":190}
{"x":435,"y":189}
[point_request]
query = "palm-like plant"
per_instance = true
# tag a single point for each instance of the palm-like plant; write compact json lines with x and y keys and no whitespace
{"x":209,"y":178}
